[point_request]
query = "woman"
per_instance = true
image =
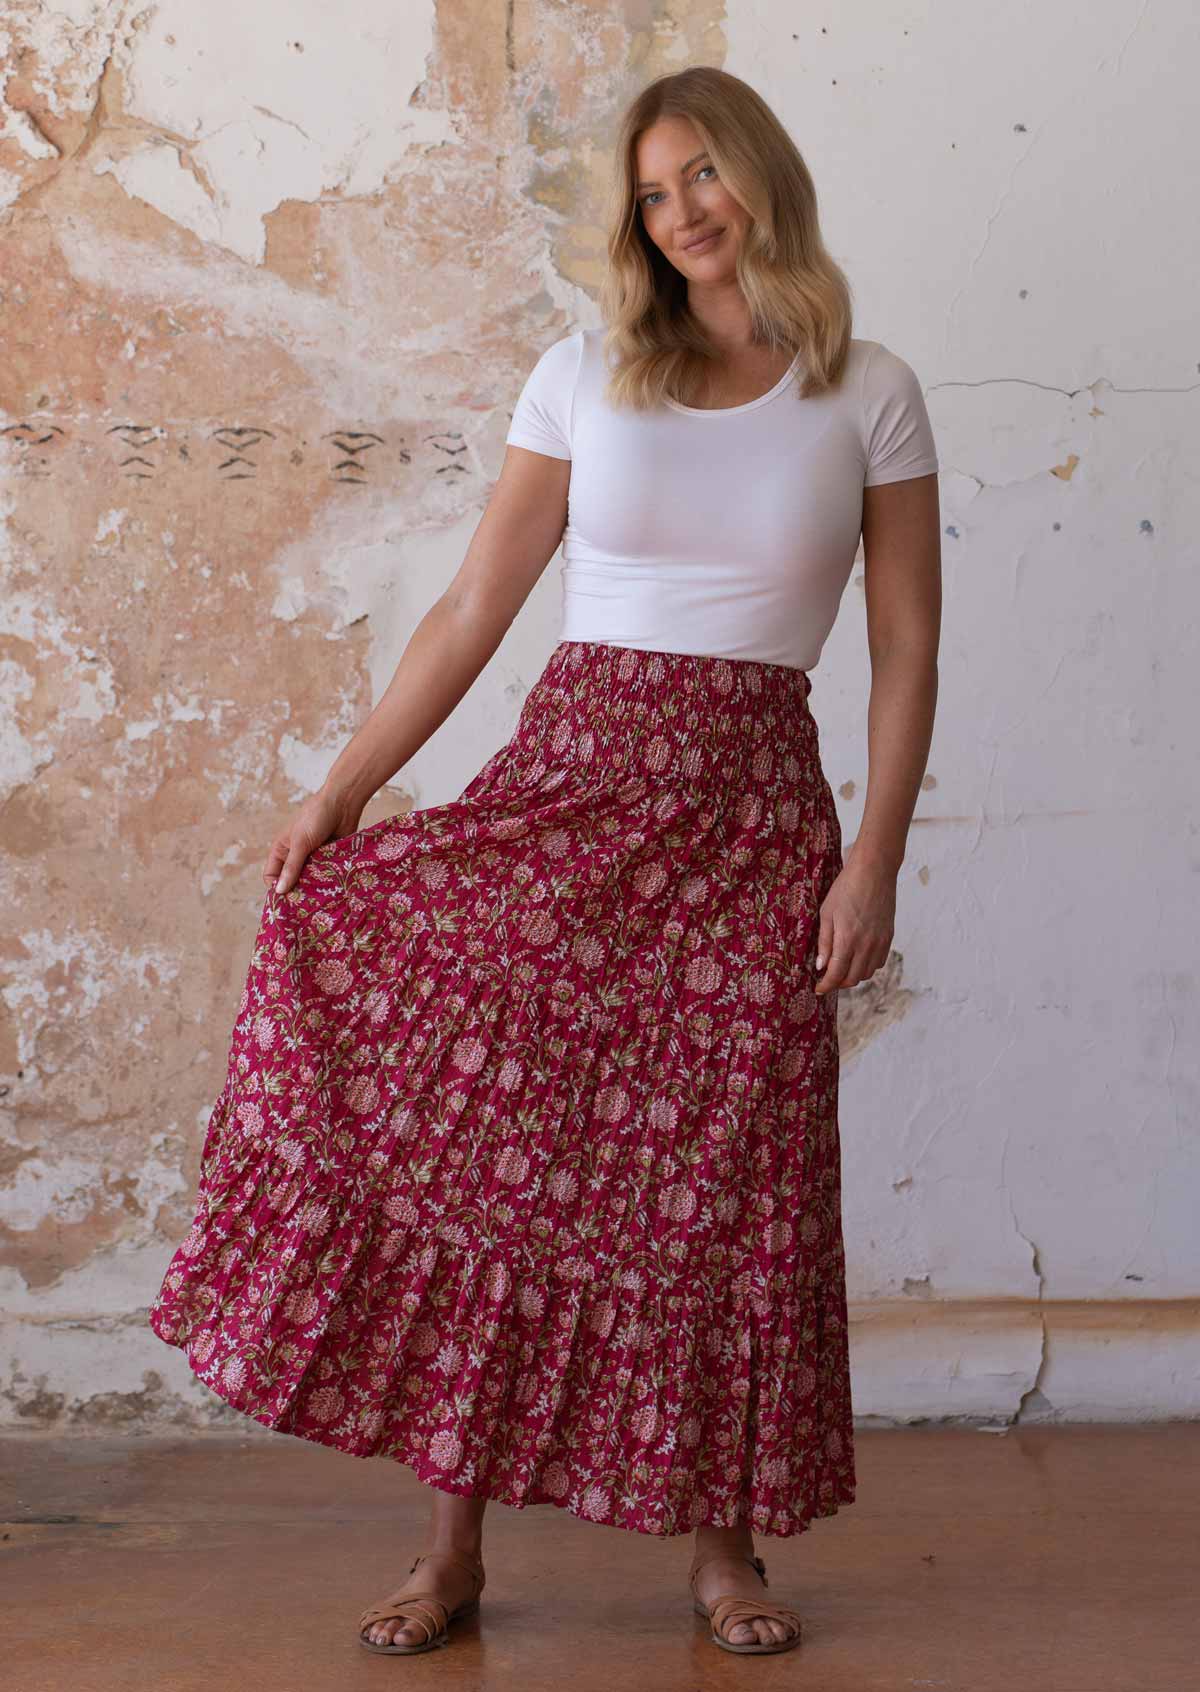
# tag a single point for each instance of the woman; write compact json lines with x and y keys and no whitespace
{"x":526,"y":1169}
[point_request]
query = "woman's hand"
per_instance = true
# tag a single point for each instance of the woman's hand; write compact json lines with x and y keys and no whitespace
{"x":858,"y":919}
{"x":323,"y":816}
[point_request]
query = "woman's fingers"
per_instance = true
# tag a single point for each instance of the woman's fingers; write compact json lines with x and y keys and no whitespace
{"x":298,"y":852}
{"x":276,"y":858}
{"x":825,"y":937}
{"x":838,"y":950}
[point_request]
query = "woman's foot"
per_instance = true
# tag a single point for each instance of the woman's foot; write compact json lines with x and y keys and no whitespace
{"x":728,"y":1574}
{"x":439,"y":1575}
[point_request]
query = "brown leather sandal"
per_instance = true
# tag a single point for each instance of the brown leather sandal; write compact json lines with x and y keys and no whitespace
{"x":431,"y":1613}
{"x":731,"y":1609}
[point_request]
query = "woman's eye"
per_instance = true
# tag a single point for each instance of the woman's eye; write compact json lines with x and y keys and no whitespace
{"x":646,"y":198}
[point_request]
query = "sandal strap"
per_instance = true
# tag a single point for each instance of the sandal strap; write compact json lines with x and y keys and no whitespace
{"x":472,"y":1565}
{"x":425,"y":1605}
{"x":730,"y":1610}
{"x":755,"y":1563}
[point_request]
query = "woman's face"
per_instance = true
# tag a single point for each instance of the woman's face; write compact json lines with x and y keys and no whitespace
{"x":681,"y":198}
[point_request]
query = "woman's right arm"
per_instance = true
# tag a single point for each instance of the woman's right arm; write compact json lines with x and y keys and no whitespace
{"x":517,"y":536}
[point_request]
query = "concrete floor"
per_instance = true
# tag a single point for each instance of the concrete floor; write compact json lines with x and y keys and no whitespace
{"x":1053,"y":1559}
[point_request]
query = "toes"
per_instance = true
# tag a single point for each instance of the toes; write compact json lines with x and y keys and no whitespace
{"x":391,"y":1633}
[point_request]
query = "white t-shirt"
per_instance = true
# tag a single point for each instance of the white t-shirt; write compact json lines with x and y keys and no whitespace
{"x":728,"y":532}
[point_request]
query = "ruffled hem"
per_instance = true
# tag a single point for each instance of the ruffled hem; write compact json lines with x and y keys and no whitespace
{"x":581,"y":1498}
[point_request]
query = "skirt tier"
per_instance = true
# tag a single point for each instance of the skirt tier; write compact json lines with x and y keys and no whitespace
{"x":526,"y":1171}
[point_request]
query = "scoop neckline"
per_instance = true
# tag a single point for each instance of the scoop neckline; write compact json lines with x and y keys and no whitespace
{"x":747,"y":405}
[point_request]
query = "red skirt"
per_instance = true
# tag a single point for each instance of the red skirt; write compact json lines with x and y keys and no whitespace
{"x":526,"y":1169}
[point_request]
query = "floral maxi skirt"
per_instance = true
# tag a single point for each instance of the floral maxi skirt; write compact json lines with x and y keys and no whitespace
{"x":526,"y":1170}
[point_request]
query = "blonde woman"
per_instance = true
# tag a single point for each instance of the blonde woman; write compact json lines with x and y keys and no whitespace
{"x":526,"y":1169}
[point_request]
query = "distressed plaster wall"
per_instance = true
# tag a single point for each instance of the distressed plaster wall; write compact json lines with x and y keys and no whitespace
{"x":270,"y":282}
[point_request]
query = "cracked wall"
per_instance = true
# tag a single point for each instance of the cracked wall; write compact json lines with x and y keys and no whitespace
{"x":266,"y":304}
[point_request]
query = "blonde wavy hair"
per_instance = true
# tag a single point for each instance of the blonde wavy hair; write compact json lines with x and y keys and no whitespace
{"x":799,"y":298}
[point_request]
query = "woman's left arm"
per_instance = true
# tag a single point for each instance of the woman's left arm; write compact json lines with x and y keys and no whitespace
{"x":902,"y":547}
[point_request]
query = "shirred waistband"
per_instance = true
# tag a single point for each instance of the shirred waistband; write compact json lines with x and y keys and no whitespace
{"x":668,"y":712}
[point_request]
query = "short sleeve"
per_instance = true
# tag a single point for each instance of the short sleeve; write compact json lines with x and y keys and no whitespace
{"x":541,"y":420}
{"x":897,"y":433}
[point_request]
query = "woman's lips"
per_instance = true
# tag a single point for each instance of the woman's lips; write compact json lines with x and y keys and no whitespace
{"x":708,"y":241}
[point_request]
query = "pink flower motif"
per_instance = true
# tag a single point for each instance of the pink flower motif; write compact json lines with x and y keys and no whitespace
{"x":445,"y":1448}
{"x":539,"y":927}
{"x":449,"y":1359}
{"x":315,"y":1218}
{"x":562,"y":1184}
{"x":333,"y":976}
{"x":650,"y":879}
{"x":362,"y":1095}
{"x":325,"y":1404}
{"x":803,"y":1005}
{"x":424,"y":1340}
{"x":748,"y":810}
{"x":233,"y":1374}
{"x":250,"y":1117}
{"x":611,"y":1105}
{"x":301,"y":1306}
{"x":531,"y":1302}
{"x":677,"y":1201}
{"x":778,"y":1235}
{"x":595,"y":1504}
{"x":511,"y":1074}
{"x":391,"y":846}
{"x":588,"y":951}
{"x":470,"y":1054}
{"x":644,"y":1424}
{"x":555,"y":1480}
{"x":512,"y":1164}
{"x":662,"y":1115}
{"x":404,"y":1121}
{"x":703,"y":974}
{"x":601,"y":1318}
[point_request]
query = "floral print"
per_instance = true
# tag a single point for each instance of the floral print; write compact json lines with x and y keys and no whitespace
{"x":525,"y":1172}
